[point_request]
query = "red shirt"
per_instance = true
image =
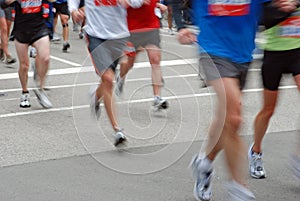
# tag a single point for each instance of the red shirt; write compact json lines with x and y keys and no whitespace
{"x":143,"y":18}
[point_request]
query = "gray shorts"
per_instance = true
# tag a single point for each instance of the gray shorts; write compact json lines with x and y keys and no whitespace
{"x":2,"y":13}
{"x":6,"y":13}
{"x":142,"y":39}
{"x":105,"y":53}
{"x":217,"y":67}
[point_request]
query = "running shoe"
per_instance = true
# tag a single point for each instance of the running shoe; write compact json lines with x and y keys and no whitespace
{"x":2,"y":57}
{"x":25,"y":100}
{"x":94,"y":103}
{"x":237,"y":192}
{"x":66,"y":46}
{"x":81,"y":34}
{"x":256,"y":167}
{"x":42,"y":98}
{"x":295,"y":163}
{"x":10,"y":60}
{"x":119,"y":86}
{"x":55,"y":37}
{"x":202,"y":172}
{"x":160,"y":104}
{"x":32,"y":52}
{"x":171,"y":32}
{"x":119,"y":137}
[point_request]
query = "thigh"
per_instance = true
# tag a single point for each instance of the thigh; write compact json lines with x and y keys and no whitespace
{"x":42,"y":46}
{"x":272,"y":69}
{"x":22,"y":52}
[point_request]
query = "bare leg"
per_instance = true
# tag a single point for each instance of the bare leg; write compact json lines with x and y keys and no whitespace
{"x":263,"y":117}
{"x":43,"y":58}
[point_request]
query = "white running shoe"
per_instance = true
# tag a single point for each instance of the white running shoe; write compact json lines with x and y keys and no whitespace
{"x":119,"y":137}
{"x":160,"y":104}
{"x":94,"y":103}
{"x":237,"y":192}
{"x":119,"y":86}
{"x":256,"y":167}
{"x":42,"y":98}
{"x":202,"y":172}
{"x":25,"y":100}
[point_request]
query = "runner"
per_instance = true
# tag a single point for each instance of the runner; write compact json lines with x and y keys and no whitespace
{"x":144,"y":33}
{"x":61,"y":7}
{"x":106,"y":33}
{"x":281,"y":55}
{"x":30,"y":29}
{"x":226,"y":43}
{"x":4,"y":28}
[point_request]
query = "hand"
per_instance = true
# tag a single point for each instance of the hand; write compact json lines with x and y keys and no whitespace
{"x":286,"y":5}
{"x":185,"y":36}
{"x":78,"y":15}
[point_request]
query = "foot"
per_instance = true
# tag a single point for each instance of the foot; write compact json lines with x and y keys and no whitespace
{"x":202,"y":171}
{"x":25,"y":100}
{"x":119,"y":137}
{"x":66,"y":46}
{"x":256,"y":167}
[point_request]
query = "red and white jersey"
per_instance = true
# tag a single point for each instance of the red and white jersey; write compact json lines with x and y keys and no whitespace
{"x":143,"y":18}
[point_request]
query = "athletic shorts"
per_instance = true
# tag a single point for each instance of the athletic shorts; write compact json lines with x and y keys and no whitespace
{"x":218,"y":67}
{"x":29,"y":37}
{"x":62,"y":8}
{"x":8,"y":13}
{"x":105,"y":53}
{"x":142,"y":39}
{"x":2,"y":13}
{"x":276,"y":63}
{"x":81,"y":4}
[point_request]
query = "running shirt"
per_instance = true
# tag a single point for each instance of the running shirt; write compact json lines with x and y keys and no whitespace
{"x":105,"y":19}
{"x":29,"y":16}
{"x":285,"y":35}
{"x":143,"y":18}
{"x":228,"y":27}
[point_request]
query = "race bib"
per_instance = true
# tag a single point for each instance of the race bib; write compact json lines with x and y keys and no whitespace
{"x":228,"y":7}
{"x":105,"y":2}
{"x":31,"y":6}
{"x":290,"y":28}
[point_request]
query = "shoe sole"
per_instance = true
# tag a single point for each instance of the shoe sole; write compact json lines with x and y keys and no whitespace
{"x":120,"y":141}
{"x":40,"y":101}
{"x":25,"y":106}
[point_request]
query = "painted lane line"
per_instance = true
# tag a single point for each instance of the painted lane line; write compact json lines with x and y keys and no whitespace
{"x":127,"y":102}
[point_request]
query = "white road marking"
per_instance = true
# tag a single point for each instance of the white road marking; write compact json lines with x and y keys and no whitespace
{"x":15,"y":114}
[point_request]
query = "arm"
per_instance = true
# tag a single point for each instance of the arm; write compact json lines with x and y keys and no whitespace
{"x":77,"y":14}
{"x":186,"y":37}
{"x":163,"y":8}
{"x":6,"y":3}
{"x":277,"y":11}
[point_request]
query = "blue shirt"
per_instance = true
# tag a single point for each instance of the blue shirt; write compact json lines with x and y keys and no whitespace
{"x":228,"y":27}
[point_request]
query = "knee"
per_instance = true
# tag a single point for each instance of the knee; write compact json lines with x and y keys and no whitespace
{"x":233,"y":122}
{"x":267,"y":112}
{"x":107,"y":80}
{"x":24,"y":68}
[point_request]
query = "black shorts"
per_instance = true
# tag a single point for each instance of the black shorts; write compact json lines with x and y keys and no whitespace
{"x":62,"y":8}
{"x":81,"y":4}
{"x":29,"y":37}
{"x":276,"y":63}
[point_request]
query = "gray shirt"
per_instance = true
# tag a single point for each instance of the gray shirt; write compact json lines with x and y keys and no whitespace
{"x":105,"y":21}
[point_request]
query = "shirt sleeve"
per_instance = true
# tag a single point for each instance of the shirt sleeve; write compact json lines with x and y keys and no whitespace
{"x":73,"y":5}
{"x":135,"y":3}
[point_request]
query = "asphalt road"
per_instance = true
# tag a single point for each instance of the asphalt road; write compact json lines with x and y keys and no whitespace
{"x":62,"y":154}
